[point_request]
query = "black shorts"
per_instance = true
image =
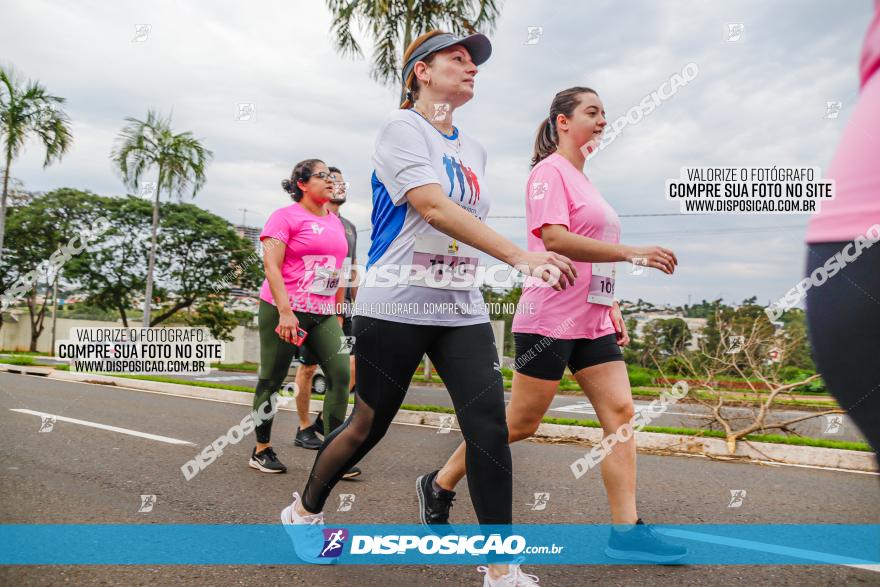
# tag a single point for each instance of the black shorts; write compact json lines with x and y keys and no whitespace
{"x":307,"y":358}
{"x":543,"y":357}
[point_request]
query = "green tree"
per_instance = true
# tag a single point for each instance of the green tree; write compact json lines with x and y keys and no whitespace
{"x":508,"y":298}
{"x":44,"y":239}
{"x":198,"y":249}
{"x":109,"y":274}
{"x":394,"y":24}
{"x":217,"y":320}
{"x":180,"y":160}
{"x":727,"y":325}
{"x":702,"y":310}
{"x":795,"y":329}
{"x":666,"y":337}
{"x":27,"y":109}
{"x":631,"y":325}
{"x":11,"y":272}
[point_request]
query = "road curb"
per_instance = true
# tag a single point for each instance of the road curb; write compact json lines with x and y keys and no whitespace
{"x":762,"y":452}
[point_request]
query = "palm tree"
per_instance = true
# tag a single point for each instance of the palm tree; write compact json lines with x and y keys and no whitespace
{"x":393,"y":24}
{"x":27,"y":109}
{"x":180,"y":159}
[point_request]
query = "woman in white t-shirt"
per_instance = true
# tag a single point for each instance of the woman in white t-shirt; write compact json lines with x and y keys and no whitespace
{"x":417,"y":296}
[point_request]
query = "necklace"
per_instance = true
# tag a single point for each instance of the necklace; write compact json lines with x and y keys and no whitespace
{"x":456,"y":144}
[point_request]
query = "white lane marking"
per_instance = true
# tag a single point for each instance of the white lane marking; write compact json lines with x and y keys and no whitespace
{"x":777,"y":464}
{"x":809,"y":555}
{"x":584,"y":407}
{"x":146,"y":435}
{"x":222,"y":378}
{"x":873,"y":568}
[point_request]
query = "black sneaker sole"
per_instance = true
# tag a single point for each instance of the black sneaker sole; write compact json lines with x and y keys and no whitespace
{"x":421,"y":493}
{"x":302,"y":444}
{"x":636,"y":555}
{"x":436,"y":529}
{"x":256,"y":465}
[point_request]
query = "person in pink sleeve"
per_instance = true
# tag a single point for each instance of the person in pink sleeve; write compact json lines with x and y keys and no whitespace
{"x":304,"y":247}
{"x":843,"y":258}
{"x":580,"y":327}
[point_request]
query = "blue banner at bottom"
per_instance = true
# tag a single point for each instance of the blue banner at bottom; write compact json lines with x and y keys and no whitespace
{"x":229,"y":544}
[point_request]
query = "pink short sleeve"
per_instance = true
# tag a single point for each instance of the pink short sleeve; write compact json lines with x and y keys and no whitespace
{"x":278,"y":226}
{"x":546,"y":199}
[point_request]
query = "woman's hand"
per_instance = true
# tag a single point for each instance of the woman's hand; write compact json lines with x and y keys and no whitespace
{"x":551,"y":267}
{"x":287,"y":325}
{"x":619,"y":325}
{"x":653,"y":256}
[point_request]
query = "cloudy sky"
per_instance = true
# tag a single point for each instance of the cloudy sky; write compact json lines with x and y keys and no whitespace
{"x":757,"y":101}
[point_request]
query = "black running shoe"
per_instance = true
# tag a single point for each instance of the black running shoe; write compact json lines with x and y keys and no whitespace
{"x":308,"y":438}
{"x":266,"y":461}
{"x":351,"y":473}
{"x":643,"y":543}
{"x":433,"y":506}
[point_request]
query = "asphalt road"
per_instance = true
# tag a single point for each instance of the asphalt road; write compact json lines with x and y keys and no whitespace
{"x":80,"y":474}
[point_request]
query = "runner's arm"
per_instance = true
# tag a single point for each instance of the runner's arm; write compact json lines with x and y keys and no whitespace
{"x":451,"y":219}
{"x":581,"y":248}
{"x":559,"y":239}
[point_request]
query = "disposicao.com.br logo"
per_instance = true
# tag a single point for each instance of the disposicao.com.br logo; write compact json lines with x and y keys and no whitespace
{"x":475,"y":545}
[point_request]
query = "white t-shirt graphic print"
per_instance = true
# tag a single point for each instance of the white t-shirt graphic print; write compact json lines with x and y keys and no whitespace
{"x":409,"y":152}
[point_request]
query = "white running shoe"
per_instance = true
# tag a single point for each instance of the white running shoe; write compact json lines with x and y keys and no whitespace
{"x":306,"y":533}
{"x":514,"y":578}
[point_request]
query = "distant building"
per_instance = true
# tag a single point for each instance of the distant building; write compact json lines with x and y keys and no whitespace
{"x":251,"y":233}
{"x":239,"y":296}
{"x":695,"y":325}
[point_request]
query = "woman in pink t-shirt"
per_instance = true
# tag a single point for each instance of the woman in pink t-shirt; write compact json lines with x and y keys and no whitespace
{"x":843,"y":257}
{"x":580,"y":327}
{"x":304,"y":247}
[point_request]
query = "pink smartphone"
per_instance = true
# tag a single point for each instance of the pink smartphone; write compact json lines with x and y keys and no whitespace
{"x":300,"y":335}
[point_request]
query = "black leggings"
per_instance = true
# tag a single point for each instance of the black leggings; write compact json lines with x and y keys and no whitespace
{"x":844,"y":324}
{"x":388,"y":354}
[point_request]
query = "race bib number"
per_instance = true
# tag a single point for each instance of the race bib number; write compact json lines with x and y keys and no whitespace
{"x":441,"y":262}
{"x":602,"y":284}
{"x":326,"y":281}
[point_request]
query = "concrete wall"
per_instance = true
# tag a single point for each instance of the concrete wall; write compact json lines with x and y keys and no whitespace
{"x":16,"y":336}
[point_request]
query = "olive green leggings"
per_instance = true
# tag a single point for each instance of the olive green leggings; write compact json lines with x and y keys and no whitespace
{"x":324,"y":341}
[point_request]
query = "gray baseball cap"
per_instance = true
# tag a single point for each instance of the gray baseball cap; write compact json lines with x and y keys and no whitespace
{"x":478,"y":46}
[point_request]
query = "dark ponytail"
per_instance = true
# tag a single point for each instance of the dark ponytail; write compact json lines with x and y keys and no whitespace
{"x":547,"y":139}
{"x":302,"y":171}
